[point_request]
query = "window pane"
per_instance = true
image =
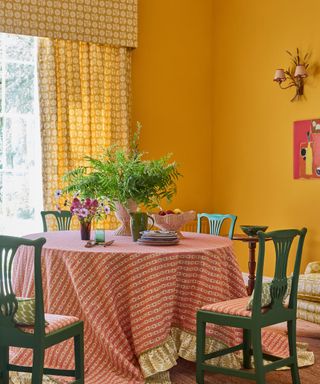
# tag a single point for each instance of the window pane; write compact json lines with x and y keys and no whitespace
{"x":1,"y":82}
{"x":19,"y":83}
{"x":15,"y":134}
{"x":19,"y":47}
{"x":20,"y":151}
{"x":16,"y":195}
{"x":1,"y":194}
{"x":1,"y":143}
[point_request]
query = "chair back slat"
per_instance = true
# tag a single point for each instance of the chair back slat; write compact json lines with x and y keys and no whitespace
{"x":8,"y":301}
{"x":63,"y":222}
{"x":216,"y":221}
{"x":215,"y":226}
{"x":279,"y":283}
{"x":282,"y":241}
{"x":63,"y":219}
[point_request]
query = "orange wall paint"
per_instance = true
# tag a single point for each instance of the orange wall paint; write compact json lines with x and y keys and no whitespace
{"x":172,"y":91}
{"x":203,"y":89}
{"x":252,"y":120}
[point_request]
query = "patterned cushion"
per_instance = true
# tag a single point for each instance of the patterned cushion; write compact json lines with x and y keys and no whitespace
{"x":54,"y":322}
{"x":308,"y":316}
{"x":265,"y":295}
{"x":231,"y":307}
{"x":308,"y":310}
{"x":313,"y":267}
{"x":25,"y":314}
{"x":309,"y":287}
{"x":310,"y":306}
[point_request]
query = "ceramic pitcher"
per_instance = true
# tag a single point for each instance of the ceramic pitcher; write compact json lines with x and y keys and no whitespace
{"x":139,"y":223}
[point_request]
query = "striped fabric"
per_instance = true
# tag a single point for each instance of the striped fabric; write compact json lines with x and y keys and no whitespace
{"x":235,"y":307}
{"x":54,"y":322}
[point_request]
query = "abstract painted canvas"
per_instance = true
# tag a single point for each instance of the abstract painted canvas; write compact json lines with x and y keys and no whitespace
{"x":306,"y":149}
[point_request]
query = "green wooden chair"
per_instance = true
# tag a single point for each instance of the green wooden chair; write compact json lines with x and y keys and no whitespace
{"x":63,"y":219}
{"x":45,"y":333}
{"x":215,"y":223}
{"x":232,"y":313}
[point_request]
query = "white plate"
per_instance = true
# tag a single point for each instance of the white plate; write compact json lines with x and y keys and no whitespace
{"x":158,"y":233}
{"x":164,"y":238}
{"x":148,"y":242}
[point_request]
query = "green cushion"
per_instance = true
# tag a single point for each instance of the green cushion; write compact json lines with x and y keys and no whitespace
{"x":26,"y":312}
{"x":265,"y":295}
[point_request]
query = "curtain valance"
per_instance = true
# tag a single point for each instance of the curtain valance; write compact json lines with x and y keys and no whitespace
{"x":112,"y":22}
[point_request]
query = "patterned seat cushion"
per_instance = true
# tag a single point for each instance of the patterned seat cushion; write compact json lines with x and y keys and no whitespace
{"x":54,"y":322}
{"x":237,"y":307}
{"x":309,"y":287}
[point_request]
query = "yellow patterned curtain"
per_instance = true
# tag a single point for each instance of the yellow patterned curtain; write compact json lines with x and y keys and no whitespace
{"x":84,"y":105}
{"x":112,"y":22}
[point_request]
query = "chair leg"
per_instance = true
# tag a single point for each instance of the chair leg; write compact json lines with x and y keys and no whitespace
{"x":291,"y":325}
{"x":37,"y":366}
{"x":79,"y":357}
{"x":246,"y":348}
{"x":201,"y":343}
{"x":258,"y":357}
{"x":4,"y":361}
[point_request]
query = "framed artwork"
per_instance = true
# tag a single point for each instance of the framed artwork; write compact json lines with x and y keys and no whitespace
{"x":306,"y":149}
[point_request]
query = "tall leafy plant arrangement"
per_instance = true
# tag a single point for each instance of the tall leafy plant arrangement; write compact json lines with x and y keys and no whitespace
{"x":122,"y":175}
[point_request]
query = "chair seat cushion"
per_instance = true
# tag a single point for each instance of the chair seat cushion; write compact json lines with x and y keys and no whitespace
{"x":237,"y":307}
{"x":309,"y":287}
{"x":54,"y":323}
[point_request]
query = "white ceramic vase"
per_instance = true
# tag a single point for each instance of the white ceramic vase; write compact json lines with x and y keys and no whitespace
{"x":122,"y":214}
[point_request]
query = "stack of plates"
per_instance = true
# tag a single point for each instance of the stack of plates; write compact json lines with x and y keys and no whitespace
{"x":158,"y":238}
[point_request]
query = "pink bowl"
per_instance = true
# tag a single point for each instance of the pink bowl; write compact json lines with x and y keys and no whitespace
{"x":173,"y":222}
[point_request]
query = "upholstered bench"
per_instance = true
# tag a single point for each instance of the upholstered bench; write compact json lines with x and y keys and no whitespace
{"x":308,"y":307}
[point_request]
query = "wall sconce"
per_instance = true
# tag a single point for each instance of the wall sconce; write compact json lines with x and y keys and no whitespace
{"x":296,"y":74}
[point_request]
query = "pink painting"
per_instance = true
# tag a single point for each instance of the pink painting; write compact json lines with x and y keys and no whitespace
{"x":306,"y":149}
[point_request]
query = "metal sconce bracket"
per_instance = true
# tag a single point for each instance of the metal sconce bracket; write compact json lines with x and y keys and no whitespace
{"x":296,"y":74}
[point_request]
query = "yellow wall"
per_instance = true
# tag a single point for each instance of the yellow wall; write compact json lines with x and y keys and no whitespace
{"x":203,"y":89}
{"x":252,"y":120}
{"x":172,"y":93}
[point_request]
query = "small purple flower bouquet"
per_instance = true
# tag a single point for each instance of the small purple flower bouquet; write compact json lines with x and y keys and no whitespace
{"x":85,"y":209}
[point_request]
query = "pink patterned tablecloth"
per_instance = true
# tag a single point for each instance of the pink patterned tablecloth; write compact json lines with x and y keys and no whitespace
{"x":138,"y":302}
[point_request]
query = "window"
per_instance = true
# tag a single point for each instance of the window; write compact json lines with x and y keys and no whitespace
{"x":20,"y":151}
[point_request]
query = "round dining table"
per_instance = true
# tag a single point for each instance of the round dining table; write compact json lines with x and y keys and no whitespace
{"x":138,"y":302}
